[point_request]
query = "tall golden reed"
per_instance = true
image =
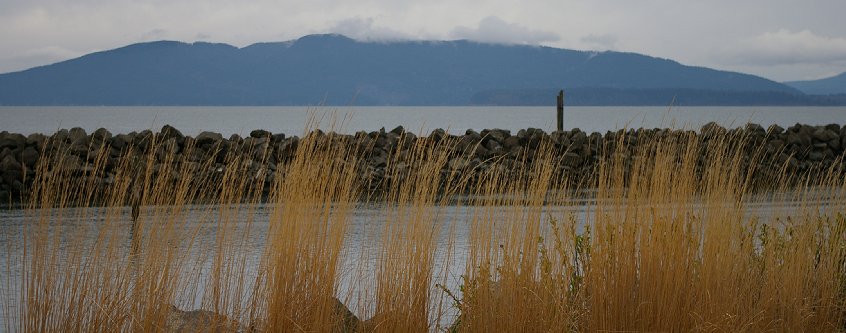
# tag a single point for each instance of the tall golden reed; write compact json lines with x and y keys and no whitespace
{"x":666,"y":237}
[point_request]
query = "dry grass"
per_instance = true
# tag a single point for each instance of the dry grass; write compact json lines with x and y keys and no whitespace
{"x":666,"y":243}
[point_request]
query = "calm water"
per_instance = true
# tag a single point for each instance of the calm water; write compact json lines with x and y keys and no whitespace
{"x":252,"y":222}
{"x":80,"y":228}
{"x":292,"y":120}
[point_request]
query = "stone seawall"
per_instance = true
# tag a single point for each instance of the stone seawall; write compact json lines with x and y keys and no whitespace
{"x":799,"y":149}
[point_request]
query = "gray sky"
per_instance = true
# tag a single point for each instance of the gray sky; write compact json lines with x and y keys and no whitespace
{"x":777,"y":39}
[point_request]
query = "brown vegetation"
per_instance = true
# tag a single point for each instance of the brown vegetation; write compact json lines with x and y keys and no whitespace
{"x":666,"y":242}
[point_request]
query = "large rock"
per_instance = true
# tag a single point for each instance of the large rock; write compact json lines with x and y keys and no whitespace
{"x":493,"y":146}
{"x":571,"y":160}
{"x":79,"y":148}
{"x":101,"y":135}
{"x":179,"y":321}
{"x":835,"y":144}
{"x":347,"y":321}
{"x":259,"y":133}
{"x":71,"y":163}
{"x":29,"y":156}
{"x":60,"y":136}
{"x":578,"y":138}
{"x":437,"y":135}
{"x":78,"y":135}
{"x":712,"y":129}
{"x":10,"y":176}
{"x":825,"y":135}
{"x":399,"y":130}
{"x":379,"y":159}
{"x":11,"y":140}
{"x":9,"y":163}
{"x":755,"y":129}
{"x":208,"y":138}
{"x":496,"y":134}
{"x":167,"y":150}
{"x":511,"y":142}
{"x":11,"y":171}
{"x":143,"y":140}
{"x":169,"y":132}
{"x":458,"y":163}
{"x":120,"y":141}
{"x":36,"y":140}
{"x":816,"y":156}
{"x":794,"y":138}
{"x":775,"y":129}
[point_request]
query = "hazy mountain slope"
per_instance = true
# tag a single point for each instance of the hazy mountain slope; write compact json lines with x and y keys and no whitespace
{"x":336,"y":70}
{"x":828,"y":86}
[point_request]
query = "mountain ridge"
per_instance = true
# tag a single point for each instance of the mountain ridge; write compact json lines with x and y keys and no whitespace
{"x":833,"y":85}
{"x":337,"y":70}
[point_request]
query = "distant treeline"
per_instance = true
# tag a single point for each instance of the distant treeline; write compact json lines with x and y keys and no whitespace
{"x":590,"y":96}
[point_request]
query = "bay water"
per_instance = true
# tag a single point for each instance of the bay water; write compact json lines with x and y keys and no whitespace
{"x":419,"y":120}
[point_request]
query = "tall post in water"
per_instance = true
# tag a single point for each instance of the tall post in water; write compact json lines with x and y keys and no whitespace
{"x":560,"y":110}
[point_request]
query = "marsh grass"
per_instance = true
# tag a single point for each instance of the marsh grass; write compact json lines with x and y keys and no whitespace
{"x":668,"y":242}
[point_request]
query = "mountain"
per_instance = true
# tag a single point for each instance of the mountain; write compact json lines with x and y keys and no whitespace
{"x":336,"y":70}
{"x":829,"y":86}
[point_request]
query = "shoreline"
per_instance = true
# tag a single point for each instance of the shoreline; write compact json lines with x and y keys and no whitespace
{"x":799,"y":150}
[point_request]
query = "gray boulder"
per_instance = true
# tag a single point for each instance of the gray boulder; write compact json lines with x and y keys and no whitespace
{"x":178,"y":321}
{"x":347,"y":321}
{"x":77,"y":135}
{"x":571,"y":160}
{"x":8,"y":163}
{"x":36,"y":140}
{"x":794,"y":138}
{"x":101,"y":135}
{"x":712,"y":129}
{"x":120,"y":141}
{"x":29,"y":156}
{"x":775,"y":129}
{"x":207,"y":138}
{"x":169,"y":132}
{"x":825,"y":135}
{"x":399,"y":130}
{"x":143,"y":139}
{"x":496,"y":134}
{"x":259,"y":133}
{"x":11,"y":140}
{"x":511,"y":142}
{"x":60,"y":135}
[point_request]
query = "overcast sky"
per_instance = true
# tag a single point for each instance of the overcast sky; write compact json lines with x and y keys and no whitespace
{"x":778,"y":39}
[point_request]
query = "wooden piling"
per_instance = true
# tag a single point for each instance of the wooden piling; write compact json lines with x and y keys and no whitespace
{"x":560,"y":111}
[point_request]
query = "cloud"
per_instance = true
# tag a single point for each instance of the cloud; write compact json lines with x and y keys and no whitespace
{"x":600,"y":42}
{"x":51,"y":52}
{"x":364,"y":29}
{"x":784,"y":47}
{"x":155,"y":34}
{"x":494,"y":30}
{"x":37,"y":57}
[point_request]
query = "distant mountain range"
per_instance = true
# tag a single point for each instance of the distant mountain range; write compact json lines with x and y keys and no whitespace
{"x":336,"y":70}
{"x":828,"y":86}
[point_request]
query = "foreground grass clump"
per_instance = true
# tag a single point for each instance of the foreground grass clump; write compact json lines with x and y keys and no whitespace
{"x":667,"y":236}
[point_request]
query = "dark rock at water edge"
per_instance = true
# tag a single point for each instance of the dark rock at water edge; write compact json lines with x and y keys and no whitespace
{"x":799,"y":148}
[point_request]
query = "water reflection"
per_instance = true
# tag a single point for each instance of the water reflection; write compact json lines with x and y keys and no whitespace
{"x":80,"y":228}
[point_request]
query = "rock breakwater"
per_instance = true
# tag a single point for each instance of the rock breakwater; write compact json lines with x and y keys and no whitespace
{"x":797,"y":150}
